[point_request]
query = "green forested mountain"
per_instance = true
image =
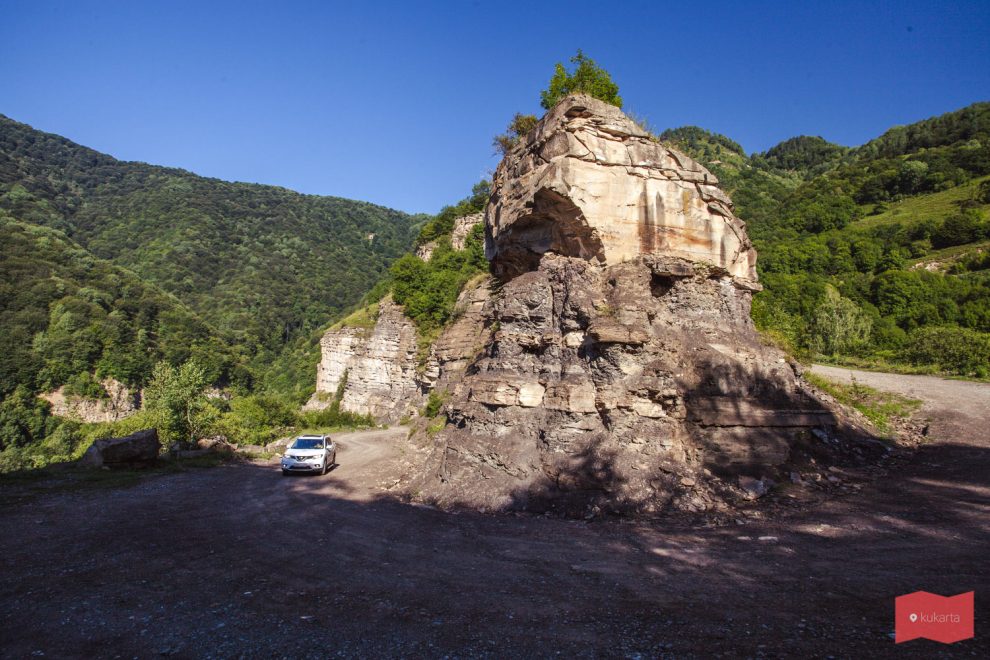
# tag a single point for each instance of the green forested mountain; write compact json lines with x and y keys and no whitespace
{"x":67,"y":315}
{"x":804,"y":155}
{"x":878,"y":254}
{"x":260,"y":263}
{"x":873,"y":254}
{"x":111,"y":268}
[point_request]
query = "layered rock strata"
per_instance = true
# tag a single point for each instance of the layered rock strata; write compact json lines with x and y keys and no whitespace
{"x":376,"y":366}
{"x":623,"y":371}
{"x":588,"y":182}
{"x":461,"y":342}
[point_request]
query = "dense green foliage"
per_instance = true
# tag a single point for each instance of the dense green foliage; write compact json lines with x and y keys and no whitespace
{"x":586,"y":78}
{"x":703,"y":145}
{"x":428,"y":290}
{"x":112,"y":267}
{"x":804,"y":154}
{"x":952,"y":128}
{"x":66,"y":315}
{"x":175,"y":401}
{"x":443,"y":222}
{"x":260,"y":263}
{"x":874,"y":254}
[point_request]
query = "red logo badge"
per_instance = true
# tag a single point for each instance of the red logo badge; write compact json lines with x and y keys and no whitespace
{"x":945,"y":619}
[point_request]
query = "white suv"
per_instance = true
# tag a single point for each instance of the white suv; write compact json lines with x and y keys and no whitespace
{"x":310,"y":453}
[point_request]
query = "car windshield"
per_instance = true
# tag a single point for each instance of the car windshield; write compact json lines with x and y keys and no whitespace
{"x":307,"y":443}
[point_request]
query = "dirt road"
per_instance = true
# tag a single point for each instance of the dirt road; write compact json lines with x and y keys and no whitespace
{"x":239,"y":561}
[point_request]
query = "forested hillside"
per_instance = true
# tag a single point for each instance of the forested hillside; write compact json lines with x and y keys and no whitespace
{"x":261,"y":263}
{"x":877,"y":254}
{"x":164,"y":279}
{"x":66,"y":315}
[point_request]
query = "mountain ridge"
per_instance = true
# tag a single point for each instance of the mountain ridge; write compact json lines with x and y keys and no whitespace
{"x":217,"y":245}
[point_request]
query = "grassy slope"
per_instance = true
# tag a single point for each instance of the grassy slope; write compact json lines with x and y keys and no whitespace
{"x":763,"y":194}
{"x":934,"y":206}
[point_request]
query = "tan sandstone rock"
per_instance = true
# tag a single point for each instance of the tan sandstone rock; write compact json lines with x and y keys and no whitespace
{"x":588,"y":182}
{"x":463,"y":227}
{"x":379,"y":364}
{"x":619,"y":364}
{"x":120,"y":402}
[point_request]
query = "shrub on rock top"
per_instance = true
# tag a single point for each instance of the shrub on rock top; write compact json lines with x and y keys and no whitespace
{"x":587,"y":78}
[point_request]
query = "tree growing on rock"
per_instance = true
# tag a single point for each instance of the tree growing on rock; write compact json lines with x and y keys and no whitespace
{"x":519,"y":126}
{"x":587,"y":78}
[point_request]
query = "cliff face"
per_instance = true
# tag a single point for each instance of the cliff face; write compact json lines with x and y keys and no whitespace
{"x":587,"y":182}
{"x":383,"y":378}
{"x":379,"y":365}
{"x":622,"y":370}
{"x":119,"y":403}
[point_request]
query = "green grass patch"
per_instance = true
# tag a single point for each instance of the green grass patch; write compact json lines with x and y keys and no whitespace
{"x":930,"y":206}
{"x":364,"y":318}
{"x":879,"y":407}
{"x":947,"y":256}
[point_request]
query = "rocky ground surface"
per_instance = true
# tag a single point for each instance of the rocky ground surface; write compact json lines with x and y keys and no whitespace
{"x":240,"y":561}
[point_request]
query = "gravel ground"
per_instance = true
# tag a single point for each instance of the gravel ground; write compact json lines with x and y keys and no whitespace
{"x":240,"y":561}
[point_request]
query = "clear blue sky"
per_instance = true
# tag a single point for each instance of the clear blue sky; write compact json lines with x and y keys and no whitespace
{"x":396,"y":103}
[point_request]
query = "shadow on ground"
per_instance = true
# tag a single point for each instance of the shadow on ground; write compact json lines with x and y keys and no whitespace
{"x":237,"y":560}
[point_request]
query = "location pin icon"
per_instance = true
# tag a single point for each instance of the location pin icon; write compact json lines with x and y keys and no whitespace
{"x":913,"y":617}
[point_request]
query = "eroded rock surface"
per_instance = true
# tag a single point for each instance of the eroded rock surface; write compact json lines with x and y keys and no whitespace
{"x":120,"y":402}
{"x":621,"y":370}
{"x":463,"y":227}
{"x":588,"y":182}
{"x":378,"y":365}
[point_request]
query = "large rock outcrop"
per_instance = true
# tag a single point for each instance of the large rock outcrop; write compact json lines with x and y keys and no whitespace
{"x":588,"y":182}
{"x":376,"y":365}
{"x":136,"y":450}
{"x":621,"y":370}
{"x":119,"y":402}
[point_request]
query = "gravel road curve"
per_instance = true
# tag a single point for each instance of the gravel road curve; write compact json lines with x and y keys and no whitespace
{"x":240,"y":561}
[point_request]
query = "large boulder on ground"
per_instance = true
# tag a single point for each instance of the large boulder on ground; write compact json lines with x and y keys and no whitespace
{"x":136,"y":450}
